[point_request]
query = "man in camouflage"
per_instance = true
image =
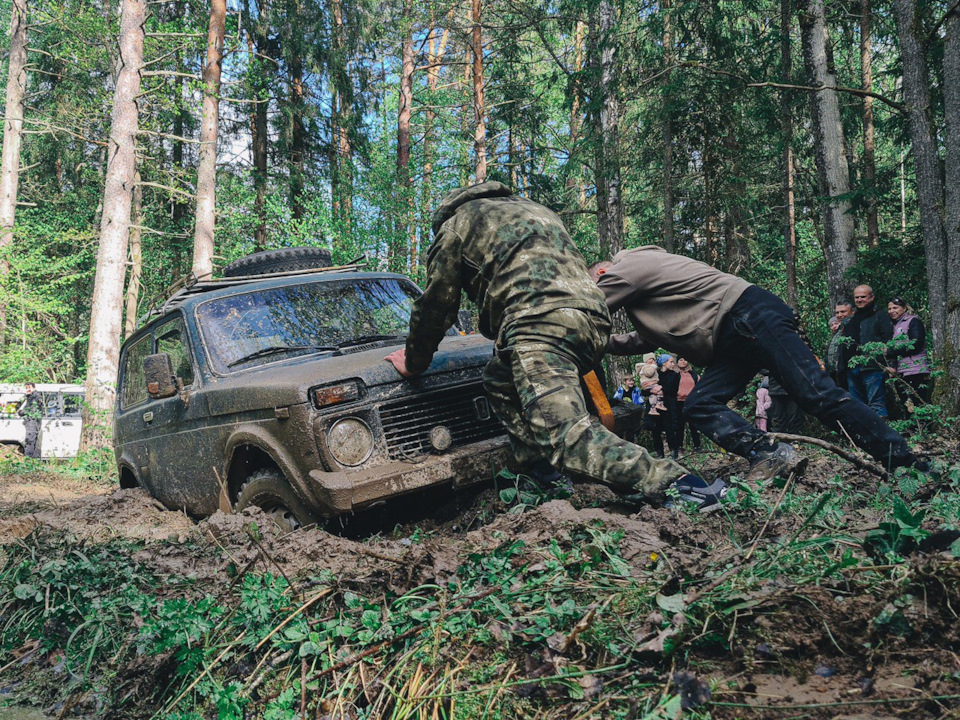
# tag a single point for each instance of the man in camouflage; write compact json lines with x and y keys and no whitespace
{"x":515,"y":260}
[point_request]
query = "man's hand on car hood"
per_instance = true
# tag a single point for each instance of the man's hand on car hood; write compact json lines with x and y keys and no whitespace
{"x":399,"y":360}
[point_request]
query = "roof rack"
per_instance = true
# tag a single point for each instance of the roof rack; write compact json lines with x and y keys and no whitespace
{"x":190,"y":286}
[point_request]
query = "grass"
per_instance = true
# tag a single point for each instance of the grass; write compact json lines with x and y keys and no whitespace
{"x":566,"y":627}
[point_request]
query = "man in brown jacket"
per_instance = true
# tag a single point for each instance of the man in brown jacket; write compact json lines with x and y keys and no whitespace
{"x":734,"y":329}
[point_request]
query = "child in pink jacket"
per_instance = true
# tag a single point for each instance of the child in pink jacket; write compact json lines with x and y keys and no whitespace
{"x":763,"y":404}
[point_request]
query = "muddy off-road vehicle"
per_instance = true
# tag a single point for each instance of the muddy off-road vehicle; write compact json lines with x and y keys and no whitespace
{"x":269,"y":388}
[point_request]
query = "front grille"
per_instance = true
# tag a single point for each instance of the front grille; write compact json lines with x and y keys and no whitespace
{"x":463,"y":410}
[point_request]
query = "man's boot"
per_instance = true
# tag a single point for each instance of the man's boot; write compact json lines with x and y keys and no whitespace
{"x":772,"y":460}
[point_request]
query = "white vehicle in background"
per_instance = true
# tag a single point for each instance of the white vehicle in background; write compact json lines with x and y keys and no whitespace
{"x":60,"y":425}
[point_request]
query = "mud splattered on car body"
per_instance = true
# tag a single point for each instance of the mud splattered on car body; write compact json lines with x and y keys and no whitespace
{"x":280,"y":397}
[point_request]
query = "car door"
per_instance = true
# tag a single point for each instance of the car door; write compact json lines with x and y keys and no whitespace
{"x":181,"y":478}
{"x":61,"y":435}
{"x":131,"y":432}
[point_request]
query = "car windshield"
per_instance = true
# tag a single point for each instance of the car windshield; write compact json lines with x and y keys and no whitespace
{"x":255,"y":328}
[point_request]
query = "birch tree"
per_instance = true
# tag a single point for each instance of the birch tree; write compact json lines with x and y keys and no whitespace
{"x":206,"y":213}
{"x":12,"y":137}
{"x":832,"y":170}
{"x":103,"y":352}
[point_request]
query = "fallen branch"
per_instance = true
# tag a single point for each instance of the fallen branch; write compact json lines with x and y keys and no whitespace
{"x":836,"y":450}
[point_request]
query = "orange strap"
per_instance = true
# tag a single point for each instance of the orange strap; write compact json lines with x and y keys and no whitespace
{"x":598,"y":399}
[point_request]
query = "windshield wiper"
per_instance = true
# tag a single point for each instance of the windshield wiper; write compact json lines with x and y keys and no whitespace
{"x":273,"y":350}
{"x":368,"y":338}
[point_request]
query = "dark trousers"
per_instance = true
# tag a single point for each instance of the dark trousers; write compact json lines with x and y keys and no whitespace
{"x":30,"y":447}
{"x":784,"y":415}
{"x":759,"y":331}
{"x":681,"y":427}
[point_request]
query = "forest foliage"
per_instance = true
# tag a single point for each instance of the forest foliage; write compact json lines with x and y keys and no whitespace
{"x":312,"y":148}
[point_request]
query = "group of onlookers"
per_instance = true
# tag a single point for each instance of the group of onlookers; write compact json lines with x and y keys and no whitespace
{"x":665,"y":384}
{"x":861,"y":357}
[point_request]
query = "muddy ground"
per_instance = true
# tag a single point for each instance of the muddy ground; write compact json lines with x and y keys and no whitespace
{"x":794,"y":647}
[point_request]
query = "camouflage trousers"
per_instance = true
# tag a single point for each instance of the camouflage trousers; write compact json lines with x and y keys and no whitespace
{"x":533,"y":384}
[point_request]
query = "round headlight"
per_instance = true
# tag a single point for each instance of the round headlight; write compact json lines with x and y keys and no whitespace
{"x":350,"y":441}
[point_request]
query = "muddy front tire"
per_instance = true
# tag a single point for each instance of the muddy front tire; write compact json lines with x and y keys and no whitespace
{"x":268,"y":490}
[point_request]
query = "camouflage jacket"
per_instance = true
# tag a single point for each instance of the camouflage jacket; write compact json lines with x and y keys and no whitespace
{"x":512,"y":257}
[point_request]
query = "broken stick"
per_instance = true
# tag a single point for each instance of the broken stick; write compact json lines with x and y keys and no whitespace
{"x":845,"y":454}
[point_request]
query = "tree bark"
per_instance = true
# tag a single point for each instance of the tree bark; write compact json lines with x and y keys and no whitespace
{"x":136,"y":259}
{"x":259,"y":48}
{"x":103,"y":352}
{"x":298,"y":137}
{"x":669,"y":242}
{"x":206,"y":213}
{"x":435,"y":51}
{"x":786,"y":124}
{"x":926,"y":159}
{"x":832,"y":169}
{"x":577,"y":194}
{"x":341,"y":111}
{"x":398,"y":255}
{"x":479,"y":109}
{"x":12,"y":139}
{"x":869,"y":145}
{"x":609,"y":201}
{"x":951,"y":101}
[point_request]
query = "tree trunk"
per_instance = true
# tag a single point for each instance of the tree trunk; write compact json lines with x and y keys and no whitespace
{"x":832,"y":169}
{"x":577,"y":194}
{"x":479,"y":109}
{"x":12,"y":138}
{"x":869,"y":146}
{"x":786,"y":124}
{"x":298,"y":138}
{"x":405,"y":111}
{"x":609,"y":202}
{"x":342,"y":107}
{"x":206,"y":215}
{"x":435,"y":52}
{"x":103,"y":352}
{"x":136,"y":258}
{"x":951,"y":101}
{"x":669,"y":242}
{"x":258,"y":44}
{"x":926,"y":159}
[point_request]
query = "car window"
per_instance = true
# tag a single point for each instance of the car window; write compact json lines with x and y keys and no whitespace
{"x":72,"y":405}
{"x":302,"y":317}
{"x":134,"y":389}
{"x":50,"y":407}
{"x":171,"y":339}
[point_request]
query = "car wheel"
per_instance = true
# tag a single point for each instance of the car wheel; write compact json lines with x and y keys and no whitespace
{"x":277,"y":261}
{"x":268,"y":490}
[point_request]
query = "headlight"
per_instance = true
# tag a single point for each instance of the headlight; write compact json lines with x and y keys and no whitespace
{"x":350,"y":441}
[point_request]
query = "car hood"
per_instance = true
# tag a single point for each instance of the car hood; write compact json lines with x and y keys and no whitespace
{"x":288,"y":383}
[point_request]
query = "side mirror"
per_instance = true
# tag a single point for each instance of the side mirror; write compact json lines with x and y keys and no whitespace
{"x":158,"y":371}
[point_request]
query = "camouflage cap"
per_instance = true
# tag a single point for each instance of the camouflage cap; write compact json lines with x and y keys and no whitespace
{"x":461,"y":196}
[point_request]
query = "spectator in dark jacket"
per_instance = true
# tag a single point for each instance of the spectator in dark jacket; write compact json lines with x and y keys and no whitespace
{"x":836,"y":361}
{"x":909,"y":361}
{"x":31,"y":410}
{"x":868,"y":325}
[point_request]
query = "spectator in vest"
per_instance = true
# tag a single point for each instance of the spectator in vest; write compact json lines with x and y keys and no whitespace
{"x":868,"y":325}
{"x":688,"y":381}
{"x":31,"y":410}
{"x":908,"y":361}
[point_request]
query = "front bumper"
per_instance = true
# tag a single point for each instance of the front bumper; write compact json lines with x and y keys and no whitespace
{"x":342,"y":492}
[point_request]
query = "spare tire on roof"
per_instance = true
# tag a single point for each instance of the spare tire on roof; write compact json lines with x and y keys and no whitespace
{"x":278,"y":261}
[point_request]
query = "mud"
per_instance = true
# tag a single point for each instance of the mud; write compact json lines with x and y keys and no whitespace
{"x":817,"y":647}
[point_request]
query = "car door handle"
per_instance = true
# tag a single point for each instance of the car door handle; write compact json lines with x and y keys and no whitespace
{"x":67,"y":423}
{"x":148,"y":417}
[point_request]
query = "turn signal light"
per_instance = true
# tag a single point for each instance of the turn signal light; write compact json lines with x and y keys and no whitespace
{"x":335,"y":394}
